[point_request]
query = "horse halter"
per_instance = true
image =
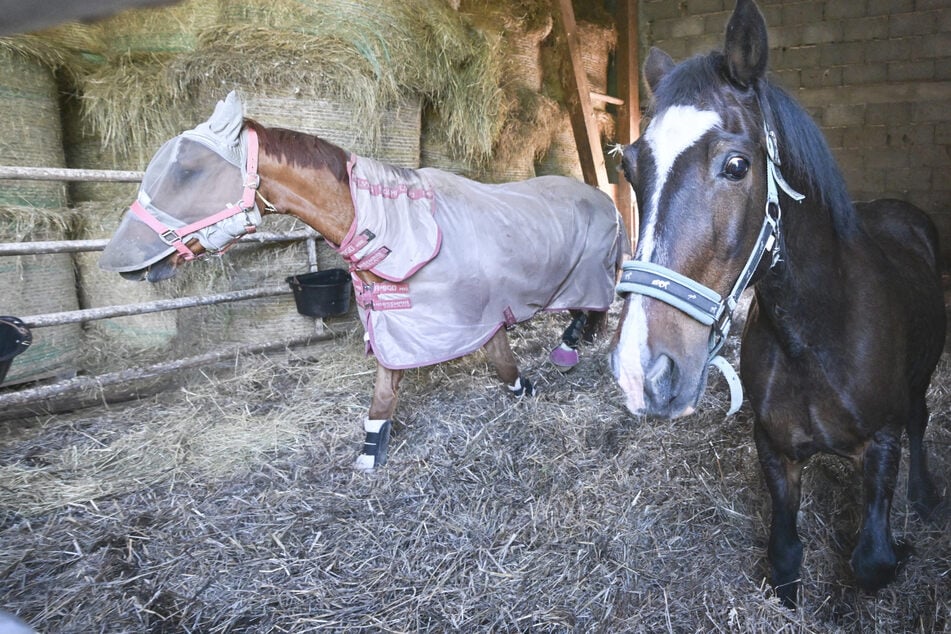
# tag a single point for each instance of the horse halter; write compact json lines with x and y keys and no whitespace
{"x":703,"y":303}
{"x":217,"y":232}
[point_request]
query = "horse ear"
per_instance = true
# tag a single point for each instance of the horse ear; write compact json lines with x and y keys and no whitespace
{"x":228,"y":118}
{"x":747,"y":47}
{"x":657,"y":65}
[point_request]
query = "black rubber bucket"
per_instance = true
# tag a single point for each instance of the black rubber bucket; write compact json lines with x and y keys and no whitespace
{"x":15,"y":337}
{"x":323,"y":293}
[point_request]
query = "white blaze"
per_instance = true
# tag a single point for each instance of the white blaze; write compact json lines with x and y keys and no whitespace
{"x":671,"y":133}
{"x":668,"y":136}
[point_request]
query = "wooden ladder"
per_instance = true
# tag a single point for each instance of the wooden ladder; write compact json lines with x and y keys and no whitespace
{"x":578,"y":99}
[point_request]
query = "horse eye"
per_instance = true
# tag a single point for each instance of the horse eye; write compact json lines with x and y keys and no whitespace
{"x":736,"y":168}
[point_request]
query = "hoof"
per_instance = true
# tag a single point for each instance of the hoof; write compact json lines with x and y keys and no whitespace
{"x":564,"y":357}
{"x":873,"y":570}
{"x":374,"y":446}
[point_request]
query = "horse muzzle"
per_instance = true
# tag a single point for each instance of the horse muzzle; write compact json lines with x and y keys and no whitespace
{"x":657,"y":388}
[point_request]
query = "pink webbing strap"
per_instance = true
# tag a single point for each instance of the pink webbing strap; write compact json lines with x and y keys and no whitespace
{"x":168,"y":235}
{"x":254,"y":180}
{"x":368,"y":296}
{"x":174,"y":237}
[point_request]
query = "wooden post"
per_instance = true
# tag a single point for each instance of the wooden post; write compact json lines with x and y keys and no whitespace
{"x":629,"y":113}
{"x":574,"y":82}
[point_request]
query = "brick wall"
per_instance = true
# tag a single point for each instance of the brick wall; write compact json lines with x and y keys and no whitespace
{"x":874,"y":74}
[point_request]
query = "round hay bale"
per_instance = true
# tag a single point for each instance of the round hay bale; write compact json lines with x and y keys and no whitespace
{"x":36,"y":285}
{"x":521,"y":27}
{"x":334,"y":121}
{"x":167,"y":29}
{"x":562,"y":156}
{"x":597,"y":43}
{"x":526,"y":136}
{"x":437,"y":151}
{"x":130,"y":105}
{"x":524,"y":59}
{"x":369,"y":54}
{"x":30,"y":135}
{"x":85,"y":150}
{"x":107,"y":341}
{"x":30,"y":130}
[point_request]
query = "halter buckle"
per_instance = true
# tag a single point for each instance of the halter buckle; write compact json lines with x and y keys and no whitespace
{"x":772,"y":147}
{"x":169,"y":237}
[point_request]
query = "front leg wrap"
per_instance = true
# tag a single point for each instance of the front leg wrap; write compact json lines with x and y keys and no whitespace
{"x":375,"y":445}
{"x":522,"y":387}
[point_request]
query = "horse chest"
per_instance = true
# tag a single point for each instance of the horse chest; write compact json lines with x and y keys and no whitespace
{"x":805,"y":406}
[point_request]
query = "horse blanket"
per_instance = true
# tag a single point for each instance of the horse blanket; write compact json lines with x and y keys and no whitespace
{"x":461,"y":259}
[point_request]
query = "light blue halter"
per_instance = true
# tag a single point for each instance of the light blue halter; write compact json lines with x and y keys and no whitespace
{"x":703,"y":303}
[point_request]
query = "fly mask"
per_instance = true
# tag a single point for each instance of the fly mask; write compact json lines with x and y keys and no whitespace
{"x":201,"y":184}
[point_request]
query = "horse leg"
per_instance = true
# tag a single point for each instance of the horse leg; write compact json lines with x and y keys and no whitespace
{"x":922,"y":493}
{"x":784,"y":552}
{"x":506,"y":367}
{"x":379,"y":420}
{"x":596,"y":325}
{"x":565,"y":356}
{"x":874,"y":559}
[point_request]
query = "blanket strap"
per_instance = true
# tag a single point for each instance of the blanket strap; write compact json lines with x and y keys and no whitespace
{"x":368,"y":295}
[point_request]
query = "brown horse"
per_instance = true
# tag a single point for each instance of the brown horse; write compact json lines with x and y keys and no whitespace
{"x":847,"y":323}
{"x":441,"y":265}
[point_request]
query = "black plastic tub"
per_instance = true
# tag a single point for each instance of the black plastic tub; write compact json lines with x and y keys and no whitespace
{"x":323,"y":293}
{"x":15,"y":337}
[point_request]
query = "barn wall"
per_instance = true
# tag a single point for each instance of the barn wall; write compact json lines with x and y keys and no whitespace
{"x":874,"y":74}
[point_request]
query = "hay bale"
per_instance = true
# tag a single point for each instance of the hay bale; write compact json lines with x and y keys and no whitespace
{"x":85,"y":149}
{"x":30,"y":135}
{"x":39,"y":284}
{"x":562,"y":155}
{"x":598,"y":41}
{"x":521,"y":26}
{"x":525,"y":137}
{"x":166,"y":29}
{"x":436,"y":151}
{"x":260,"y":266}
{"x":30,"y":132}
{"x":334,"y":121}
{"x":130,"y":105}
{"x":367,"y":53}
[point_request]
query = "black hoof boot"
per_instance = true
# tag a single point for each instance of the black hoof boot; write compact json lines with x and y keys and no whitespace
{"x":522,"y":387}
{"x":374,"y":446}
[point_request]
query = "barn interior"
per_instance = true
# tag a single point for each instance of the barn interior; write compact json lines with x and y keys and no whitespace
{"x":171,"y":464}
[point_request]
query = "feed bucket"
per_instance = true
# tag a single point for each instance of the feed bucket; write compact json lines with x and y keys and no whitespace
{"x":15,"y":337}
{"x":323,"y":293}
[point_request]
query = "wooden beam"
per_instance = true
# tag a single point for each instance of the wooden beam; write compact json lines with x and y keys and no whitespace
{"x":629,"y":113}
{"x":574,"y":82}
{"x":596,"y":96}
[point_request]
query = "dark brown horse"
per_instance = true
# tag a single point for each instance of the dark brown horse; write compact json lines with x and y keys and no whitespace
{"x":847,"y":324}
{"x":441,"y":265}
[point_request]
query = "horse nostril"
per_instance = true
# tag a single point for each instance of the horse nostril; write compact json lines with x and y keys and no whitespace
{"x":659,"y":379}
